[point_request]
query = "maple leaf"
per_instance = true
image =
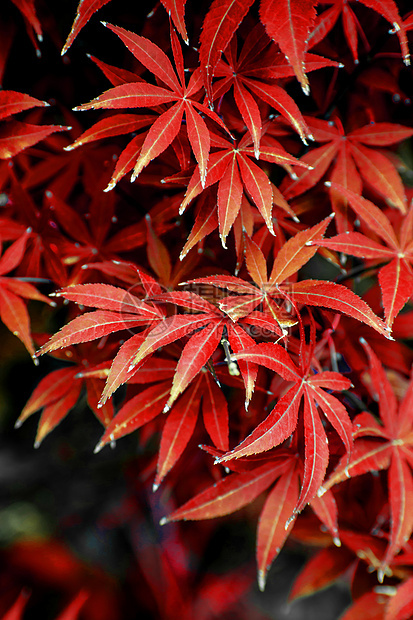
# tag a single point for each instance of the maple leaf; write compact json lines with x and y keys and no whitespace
{"x":142,"y":94}
{"x":235,"y":172}
{"x":249,"y":479}
{"x":59,"y":391}
{"x":269,"y":290}
{"x":395,"y":278}
{"x":352,"y":158}
{"x":246,"y":75}
{"x":384,"y":445}
{"x":237,"y":490}
{"x":13,"y":311}
{"x":151,"y":401}
{"x":288,"y":23}
{"x":282,"y":420}
{"x":120,"y":310}
{"x":212,"y":325}
{"x":386,"y":8}
{"x":85,"y":242}
{"x":180,"y":422}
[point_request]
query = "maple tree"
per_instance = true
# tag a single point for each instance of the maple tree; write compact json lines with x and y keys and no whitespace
{"x":210,"y":221}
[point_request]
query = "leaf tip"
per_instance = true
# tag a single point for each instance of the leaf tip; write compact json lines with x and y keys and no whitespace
{"x":327,"y":183}
{"x":337,"y":541}
{"x":18,"y":423}
{"x":98,"y":448}
{"x":163,"y":521}
{"x":261,"y":580}
{"x":36,"y":444}
{"x":110,"y":186}
{"x":104,"y":23}
{"x":223,"y":239}
{"x":155,"y":487}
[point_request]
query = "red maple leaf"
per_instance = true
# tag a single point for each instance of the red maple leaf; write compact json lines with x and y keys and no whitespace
{"x":13,"y":311}
{"x":142,"y":94}
{"x":396,"y":278}
{"x":283,"y":419}
{"x":384,"y":444}
{"x":277,"y":292}
{"x":235,"y":172}
{"x":250,"y":478}
{"x":249,"y":76}
{"x":351,"y":25}
{"x":180,"y":422}
{"x":58,"y":392}
{"x":353,"y":159}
